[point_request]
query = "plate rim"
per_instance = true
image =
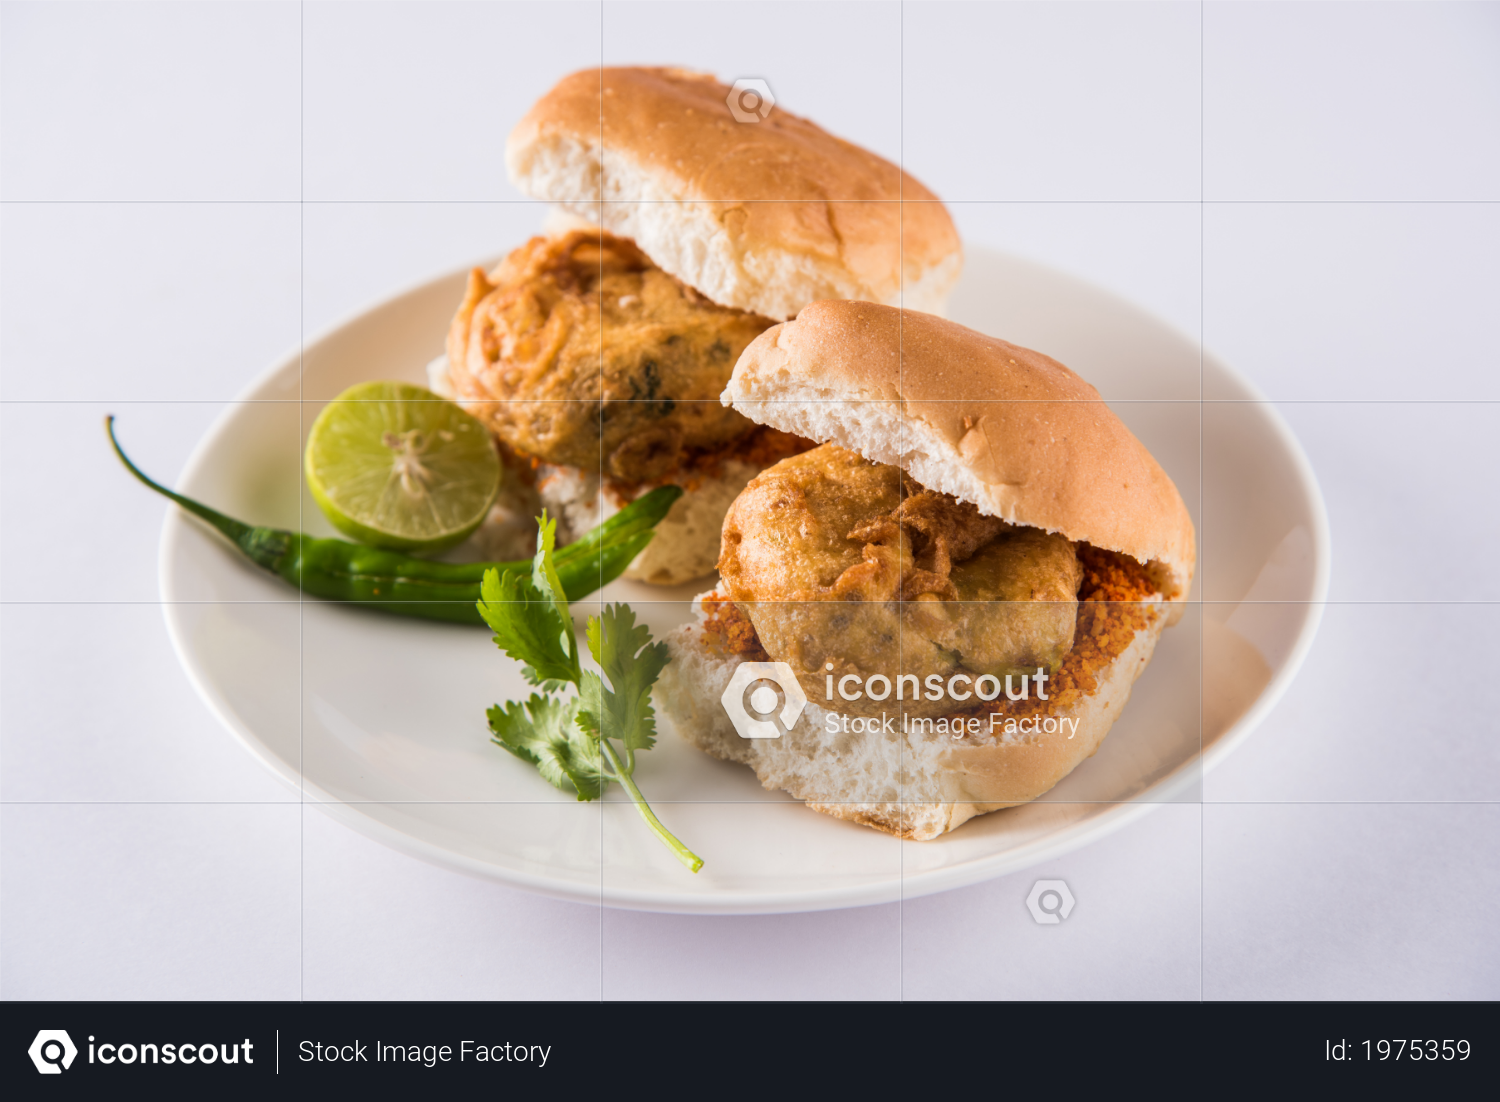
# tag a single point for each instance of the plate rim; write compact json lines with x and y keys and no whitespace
{"x":1052,"y":845}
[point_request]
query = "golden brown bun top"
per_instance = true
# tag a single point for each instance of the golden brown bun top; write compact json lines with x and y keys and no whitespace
{"x":801,"y":204}
{"x":1011,"y":430}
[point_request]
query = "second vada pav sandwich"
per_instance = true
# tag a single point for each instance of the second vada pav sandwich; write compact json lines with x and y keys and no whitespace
{"x":597,"y":353}
{"x":965,"y":578}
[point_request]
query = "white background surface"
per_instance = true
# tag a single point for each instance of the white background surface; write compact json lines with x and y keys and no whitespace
{"x":1311,"y":189}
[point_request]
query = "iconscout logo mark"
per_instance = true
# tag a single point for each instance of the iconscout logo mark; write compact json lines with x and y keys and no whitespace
{"x":52,"y":1051}
{"x":750,"y":100}
{"x":753,"y":713}
{"x":1050,"y":902}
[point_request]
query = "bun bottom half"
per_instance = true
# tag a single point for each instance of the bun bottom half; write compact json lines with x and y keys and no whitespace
{"x":918,"y":786}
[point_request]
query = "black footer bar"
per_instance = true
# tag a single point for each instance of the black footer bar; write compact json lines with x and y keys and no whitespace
{"x":60,"y":1050}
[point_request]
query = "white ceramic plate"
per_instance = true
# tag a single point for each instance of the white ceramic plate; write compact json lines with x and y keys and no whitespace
{"x":380,"y":721}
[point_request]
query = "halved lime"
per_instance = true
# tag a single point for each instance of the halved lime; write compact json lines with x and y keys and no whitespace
{"x":395,"y":466}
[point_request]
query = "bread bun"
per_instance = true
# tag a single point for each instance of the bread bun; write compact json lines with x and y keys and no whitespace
{"x":918,"y":786}
{"x":1008,"y":429}
{"x":1019,"y":436}
{"x":765,"y":216}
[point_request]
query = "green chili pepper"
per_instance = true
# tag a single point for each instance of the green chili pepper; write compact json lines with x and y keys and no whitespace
{"x":388,"y":580}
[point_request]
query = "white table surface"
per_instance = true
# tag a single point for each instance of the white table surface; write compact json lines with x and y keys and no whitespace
{"x":1311,"y":189}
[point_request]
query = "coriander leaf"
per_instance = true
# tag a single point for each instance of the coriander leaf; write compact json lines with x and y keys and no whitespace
{"x":527,"y":627}
{"x":591,"y":702}
{"x":543,"y":732}
{"x":632,"y":662}
{"x":544,"y":576}
{"x":569,"y":741}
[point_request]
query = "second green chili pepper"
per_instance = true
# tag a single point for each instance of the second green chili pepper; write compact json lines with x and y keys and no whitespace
{"x":392,"y":582}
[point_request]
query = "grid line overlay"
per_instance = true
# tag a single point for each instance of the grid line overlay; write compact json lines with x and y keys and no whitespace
{"x":302,"y":429}
{"x":901,"y":330}
{"x":303,"y":801}
{"x":602,"y":191}
{"x":1201,"y":342}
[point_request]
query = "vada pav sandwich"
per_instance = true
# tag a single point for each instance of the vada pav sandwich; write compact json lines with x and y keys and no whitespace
{"x":597,"y":354}
{"x":964,"y":579}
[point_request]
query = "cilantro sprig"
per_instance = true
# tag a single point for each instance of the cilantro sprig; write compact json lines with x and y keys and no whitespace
{"x":571,"y":740}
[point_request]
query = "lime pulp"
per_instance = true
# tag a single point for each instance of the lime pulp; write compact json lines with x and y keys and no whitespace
{"x":395,"y":466}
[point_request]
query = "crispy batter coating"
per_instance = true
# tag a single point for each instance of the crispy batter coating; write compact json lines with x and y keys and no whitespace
{"x":845,"y":566}
{"x":577,"y":350}
{"x":1114,"y":603}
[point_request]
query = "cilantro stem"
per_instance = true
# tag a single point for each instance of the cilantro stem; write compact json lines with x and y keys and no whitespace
{"x":621,"y":774}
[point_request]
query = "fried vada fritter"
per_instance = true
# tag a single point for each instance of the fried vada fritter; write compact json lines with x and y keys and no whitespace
{"x":578,"y":348}
{"x":845,"y":566}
